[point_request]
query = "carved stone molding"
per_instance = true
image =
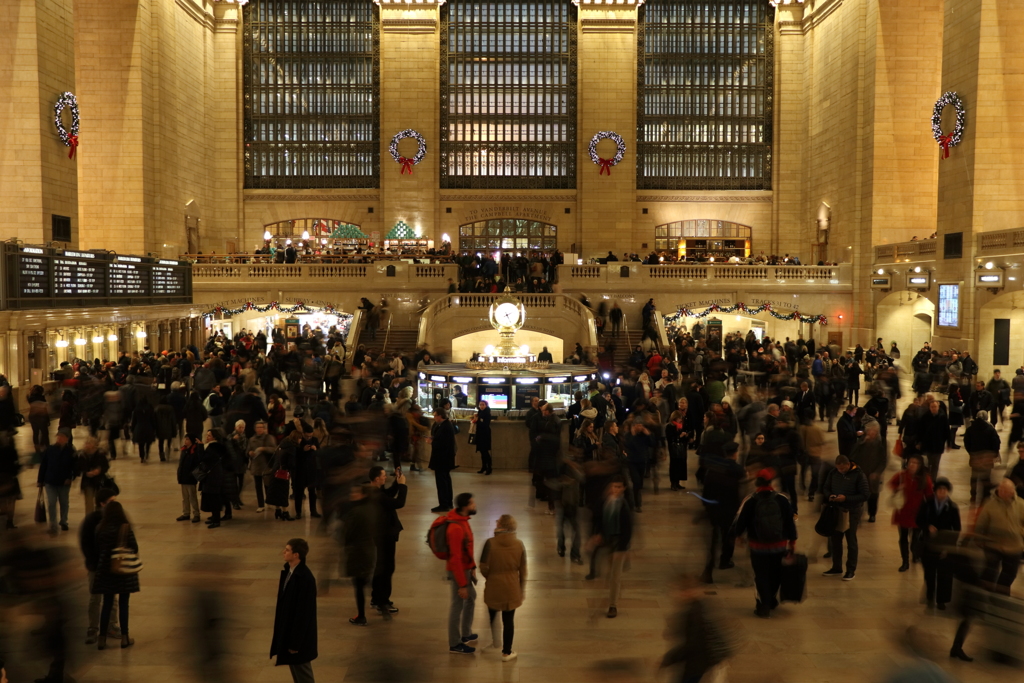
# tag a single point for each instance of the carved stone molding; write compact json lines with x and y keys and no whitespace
{"x":428,"y":25}
{"x":702,"y":198}
{"x":618,"y":25}
{"x":509,"y":198}
{"x":311,"y":197}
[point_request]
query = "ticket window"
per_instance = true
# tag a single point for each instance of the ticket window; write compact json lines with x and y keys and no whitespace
{"x":561,"y":393}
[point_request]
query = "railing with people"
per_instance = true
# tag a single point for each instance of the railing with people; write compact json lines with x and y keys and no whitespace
{"x":343,"y":259}
{"x":632,"y":273}
{"x":385,"y":272}
{"x":915,"y":250}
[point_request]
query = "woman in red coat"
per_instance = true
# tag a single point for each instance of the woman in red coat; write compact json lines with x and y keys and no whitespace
{"x":914,"y":485}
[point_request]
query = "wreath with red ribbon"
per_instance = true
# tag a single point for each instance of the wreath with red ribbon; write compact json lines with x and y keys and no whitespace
{"x":620,"y":151}
{"x":406,"y":162}
{"x":953,"y":139}
{"x":69,"y":139}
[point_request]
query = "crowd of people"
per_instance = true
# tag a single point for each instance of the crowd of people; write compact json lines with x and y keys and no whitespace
{"x":753,"y":412}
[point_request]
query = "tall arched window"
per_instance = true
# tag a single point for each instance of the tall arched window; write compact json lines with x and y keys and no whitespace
{"x":704,"y":95}
{"x":509,"y":234}
{"x":311,"y":105}
{"x":508,"y":94}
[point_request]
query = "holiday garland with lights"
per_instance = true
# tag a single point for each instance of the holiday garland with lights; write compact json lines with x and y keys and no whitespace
{"x":620,"y":151}
{"x":401,"y":231}
{"x":406,"y":162}
{"x":749,"y":310}
{"x":69,"y":139}
{"x":953,"y":139}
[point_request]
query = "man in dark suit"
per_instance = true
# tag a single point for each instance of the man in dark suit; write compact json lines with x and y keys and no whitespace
{"x":390,"y":501}
{"x":294,"y":641}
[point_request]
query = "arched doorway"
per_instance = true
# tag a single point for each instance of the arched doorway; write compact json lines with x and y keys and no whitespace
{"x":907,"y":318}
{"x":508,"y":234}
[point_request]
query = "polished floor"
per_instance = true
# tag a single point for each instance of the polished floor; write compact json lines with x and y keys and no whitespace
{"x":843,"y":632}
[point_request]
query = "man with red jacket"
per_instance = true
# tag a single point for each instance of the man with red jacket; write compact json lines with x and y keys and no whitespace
{"x":462,"y":574}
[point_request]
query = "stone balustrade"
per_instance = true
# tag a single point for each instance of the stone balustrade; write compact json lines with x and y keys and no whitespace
{"x":367,"y":275}
{"x":637,"y":274}
{"x":917,"y":250}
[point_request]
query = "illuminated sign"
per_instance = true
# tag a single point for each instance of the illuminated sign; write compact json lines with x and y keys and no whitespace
{"x":462,"y":380}
{"x":949,"y":305}
{"x":989,"y":278}
{"x":918,"y":280}
{"x":493,"y":380}
{"x":527,"y":380}
{"x":580,"y":378}
{"x":32,"y":250}
{"x":557,"y":380}
{"x":437,"y":378}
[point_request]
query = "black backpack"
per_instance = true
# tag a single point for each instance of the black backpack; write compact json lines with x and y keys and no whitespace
{"x":768,"y":519}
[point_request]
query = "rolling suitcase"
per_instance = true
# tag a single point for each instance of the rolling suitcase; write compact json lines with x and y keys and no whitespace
{"x":794,"y":578}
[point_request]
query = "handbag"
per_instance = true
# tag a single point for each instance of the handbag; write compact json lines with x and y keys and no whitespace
{"x":199,"y":473}
{"x":124,"y":560}
{"x":899,"y":499}
{"x":897,"y":448}
{"x":106,"y":482}
{"x":282,"y":474}
{"x":828,"y":520}
{"x":40,"y":509}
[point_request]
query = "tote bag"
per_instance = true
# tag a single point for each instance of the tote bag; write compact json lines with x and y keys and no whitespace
{"x":124,"y":560}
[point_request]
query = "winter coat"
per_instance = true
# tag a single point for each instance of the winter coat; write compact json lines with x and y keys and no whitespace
{"x":262,"y":449}
{"x":195,"y":417}
{"x":503,"y":564}
{"x":57,"y":467}
{"x":143,"y":423}
{"x":212,"y":486}
{"x":1000,"y":525}
{"x":295,"y":618}
{"x":872,"y":457}
{"x":853,"y":484}
{"x":108,"y":538}
{"x":947,"y":521}
{"x":442,"y":448}
{"x":982,"y":443}
{"x":389,"y":501}
{"x":359,"y":536}
{"x":933,"y":431}
{"x":913,"y":495}
{"x":85,"y":462}
{"x":483,"y":430}
{"x":166,"y":421}
{"x":187,"y":462}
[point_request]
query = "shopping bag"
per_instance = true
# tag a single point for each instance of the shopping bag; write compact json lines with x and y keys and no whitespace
{"x":40,"y":508}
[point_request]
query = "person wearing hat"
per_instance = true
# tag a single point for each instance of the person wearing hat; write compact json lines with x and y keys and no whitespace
{"x":767,"y":519}
{"x":938,"y":519}
{"x":305,"y":476}
{"x":56,"y":471}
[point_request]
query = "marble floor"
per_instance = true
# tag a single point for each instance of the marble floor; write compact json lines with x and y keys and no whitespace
{"x":842,"y":632}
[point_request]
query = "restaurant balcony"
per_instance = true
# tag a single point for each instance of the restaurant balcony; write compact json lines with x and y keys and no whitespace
{"x":641,"y":277}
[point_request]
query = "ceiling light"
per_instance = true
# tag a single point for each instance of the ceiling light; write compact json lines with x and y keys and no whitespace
{"x":98,"y":339}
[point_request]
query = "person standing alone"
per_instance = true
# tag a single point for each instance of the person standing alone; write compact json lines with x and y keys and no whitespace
{"x":294,"y":642}
{"x":462,"y":574}
{"x":503,"y":564}
{"x":56,"y":470}
{"x":390,"y":500}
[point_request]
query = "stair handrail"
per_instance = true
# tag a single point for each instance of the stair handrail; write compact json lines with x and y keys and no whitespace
{"x":387,"y":333}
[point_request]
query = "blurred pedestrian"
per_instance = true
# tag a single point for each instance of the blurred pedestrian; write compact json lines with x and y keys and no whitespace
{"x":87,"y":543}
{"x":999,"y":530}
{"x":703,"y":644}
{"x":389,"y":499}
{"x":359,"y":535}
{"x":910,"y":487}
{"x":938,"y":521}
{"x":56,"y":471}
{"x":613,"y":534}
{"x":503,"y":564}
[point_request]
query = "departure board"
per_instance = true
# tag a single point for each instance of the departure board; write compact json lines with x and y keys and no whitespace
{"x":34,"y":273}
{"x":41,"y":277}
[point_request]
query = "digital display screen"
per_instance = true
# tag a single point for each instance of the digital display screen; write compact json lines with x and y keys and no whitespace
{"x":949,"y":305}
{"x":168,"y":281}
{"x":33,"y":275}
{"x":497,"y":399}
{"x":74,"y":278}
{"x":128,"y":279}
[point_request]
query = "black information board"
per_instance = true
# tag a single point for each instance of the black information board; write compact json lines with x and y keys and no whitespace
{"x":41,"y":277}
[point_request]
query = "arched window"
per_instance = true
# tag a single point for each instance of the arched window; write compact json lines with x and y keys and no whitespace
{"x":508,"y":94}
{"x":704,"y":95}
{"x":703,"y":238}
{"x":311,"y":73}
{"x":507,"y":234}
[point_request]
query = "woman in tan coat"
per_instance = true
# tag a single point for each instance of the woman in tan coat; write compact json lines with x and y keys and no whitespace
{"x":503,"y":564}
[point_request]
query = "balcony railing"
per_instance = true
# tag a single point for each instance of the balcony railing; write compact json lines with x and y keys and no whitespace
{"x":362,"y":275}
{"x":918,"y":250}
{"x":1001,"y":242}
{"x":726,"y":273}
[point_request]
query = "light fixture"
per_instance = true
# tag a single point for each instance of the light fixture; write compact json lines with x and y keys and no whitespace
{"x":267,"y":235}
{"x":141,"y":334}
{"x":323,"y":240}
{"x":711,"y":259}
{"x":917,"y":269}
{"x":445,"y":237}
{"x":488,"y":350}
{"x":287,"y":242}
{"x":989,"y":265}
{"x":79,"y":341}
{"x":880,"y":271}
{"x":98,"y":339}
{"x":111,"y":337}
{"x":305,"y":234}
{"x":61,"y":343}
{"x":524,"y":349}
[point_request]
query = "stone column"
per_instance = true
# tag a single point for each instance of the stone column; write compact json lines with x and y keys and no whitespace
{"x":37,"y":64}
{"x":979,"y":188}
{"x":606,"y":86}
{"x":409,"y":98}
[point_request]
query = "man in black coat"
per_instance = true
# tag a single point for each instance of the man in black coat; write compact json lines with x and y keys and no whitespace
{"x":847,"y":431}
{"x":442,"y":459}
{"x":390,"y":501}
{"x":722,"y":478}
{"x":87,"y":542}
{"x":294,"y":641}
{"x":56,"y":471}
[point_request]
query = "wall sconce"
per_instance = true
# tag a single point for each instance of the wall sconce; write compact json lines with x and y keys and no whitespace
{"x":98,"y":339}
{"x":141,"y":334}
{"x":112,"y":337}
{"x":79,"y":341}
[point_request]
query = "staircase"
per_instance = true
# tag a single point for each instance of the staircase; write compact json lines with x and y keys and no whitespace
{"x":399,"y":339}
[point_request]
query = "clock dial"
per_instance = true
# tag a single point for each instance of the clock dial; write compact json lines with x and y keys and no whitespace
{"x":507,"y":314}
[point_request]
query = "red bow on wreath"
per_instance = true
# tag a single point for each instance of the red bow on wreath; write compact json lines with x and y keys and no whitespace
{"x":73,"y":144}
{"x":945,"y":141}
{"x":406,"y":165}
{"x":606,"y":166}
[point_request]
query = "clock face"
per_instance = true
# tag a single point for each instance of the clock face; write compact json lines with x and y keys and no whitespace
{"x":507,"y":314}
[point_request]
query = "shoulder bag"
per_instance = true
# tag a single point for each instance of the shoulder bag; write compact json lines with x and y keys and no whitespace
{"x":124,"y":560}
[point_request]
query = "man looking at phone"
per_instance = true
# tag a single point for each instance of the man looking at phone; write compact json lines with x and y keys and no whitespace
{"x":847,"y":487}
{"x":390,"y":501}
